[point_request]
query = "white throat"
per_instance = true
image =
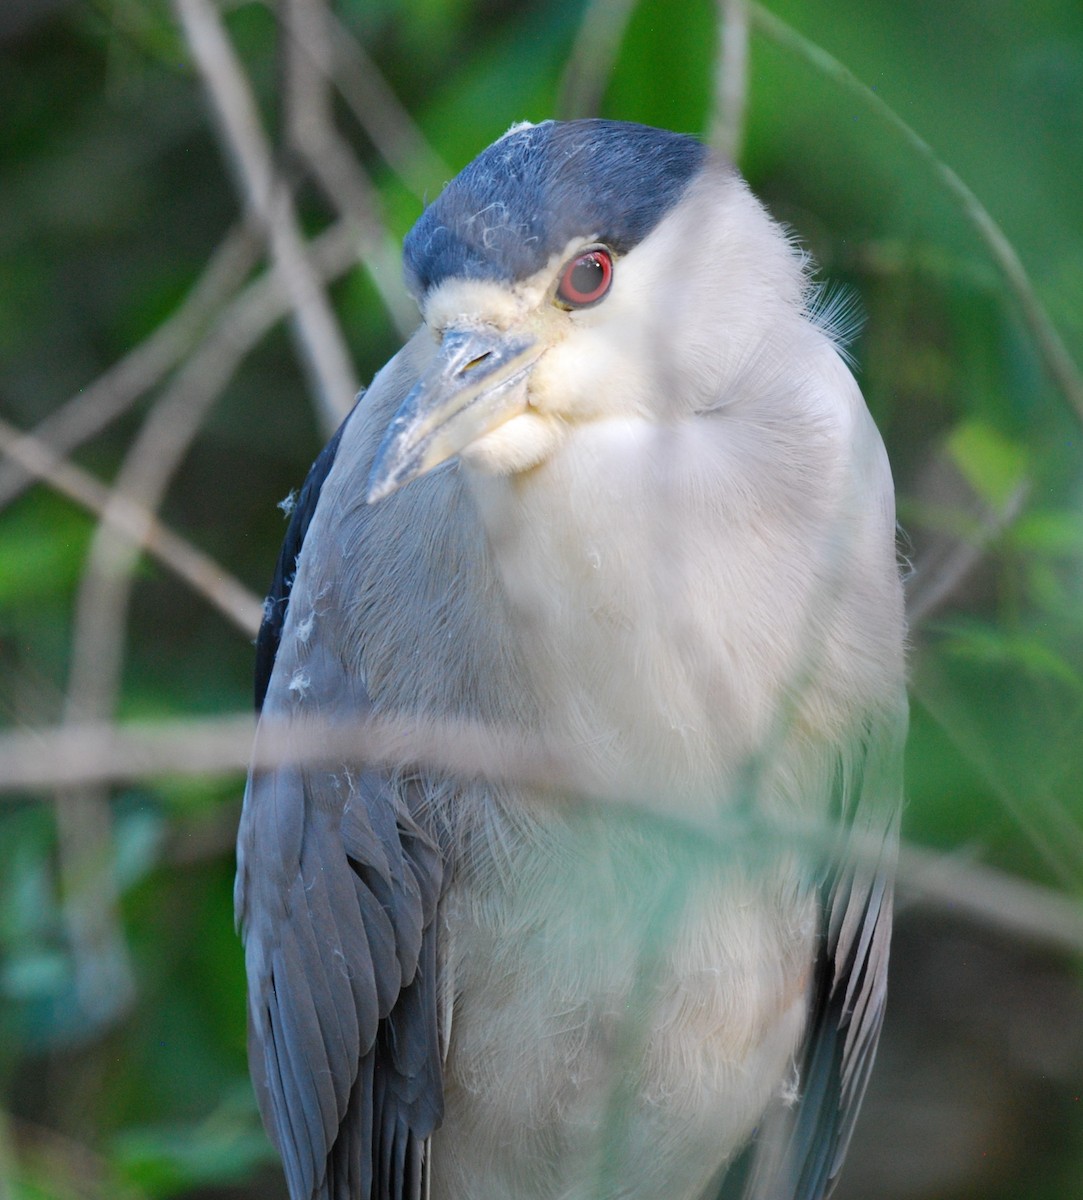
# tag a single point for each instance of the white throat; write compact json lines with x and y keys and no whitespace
{"x":652,"y":666}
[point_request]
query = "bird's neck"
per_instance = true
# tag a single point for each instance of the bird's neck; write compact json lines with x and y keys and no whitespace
{"x":662,"y":647}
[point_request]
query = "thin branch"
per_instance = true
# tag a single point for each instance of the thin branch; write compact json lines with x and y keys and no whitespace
{"x":1051,"y":349}
{"x":7,"y":1158}
{"x":144,"y":476}
{"x":241,"y":326}
{"x":90,"y":898}
{"x":103,"y":752}
{"x":323,"y":348}
{"x":380,"y":113}
{"x":592,"y":58}
{"x":1043,"y":815}
{"x":41,"y":759}
{"x":1025,"y":911}
{"x":314,"y":139}
{"x":934,"y":582}
{"x":90,"y":903}
{"x":731,"y":79}
{"x":197,"y":569}
{"x":112,"y":394}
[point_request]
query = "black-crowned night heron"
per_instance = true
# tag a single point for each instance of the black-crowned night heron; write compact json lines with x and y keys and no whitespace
{"x":660,"y":544}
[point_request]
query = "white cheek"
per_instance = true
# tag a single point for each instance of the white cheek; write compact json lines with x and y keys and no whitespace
{"x":591,"y":373}
{"x":517,"y":445}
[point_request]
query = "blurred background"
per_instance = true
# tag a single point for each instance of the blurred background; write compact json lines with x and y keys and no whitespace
{"x":201,"y":206}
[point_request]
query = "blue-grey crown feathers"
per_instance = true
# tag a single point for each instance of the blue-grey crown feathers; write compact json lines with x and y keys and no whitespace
{"x":529,"y":194}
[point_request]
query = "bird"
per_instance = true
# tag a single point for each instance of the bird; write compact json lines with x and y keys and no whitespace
{"x":619,"y":501}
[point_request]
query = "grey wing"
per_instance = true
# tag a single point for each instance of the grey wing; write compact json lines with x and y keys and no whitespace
{"x":336,"y":897}
{"x":799,"y":1149}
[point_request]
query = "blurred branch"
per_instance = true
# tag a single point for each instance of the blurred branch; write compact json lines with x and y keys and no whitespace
{"x":90,"y":905}
{"x":934,"y":582}
{"x":59,"y":1165}
{"x":731,"y":79}
{"x":1043,"y":815}
{"x":323,"y":349}
{"x":382,"y":115}
{"x":1023,"y":910}
{"x":142,"y":481}
{"x":1051,"y":349}
{"x":31,"y":760}
{"x":102,"y":752}
{"x":7,"y":1158}
{"x":202,"y":574}
{"x":592,"y":58}
{"x":313,"y":138}
{"x":89,"y":895}
{"x":90,"y":900}
{"x":111,"y":395}
{"x":241,"y":325}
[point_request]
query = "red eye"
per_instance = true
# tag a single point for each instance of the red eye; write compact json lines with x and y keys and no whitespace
{"x":586,"y":279}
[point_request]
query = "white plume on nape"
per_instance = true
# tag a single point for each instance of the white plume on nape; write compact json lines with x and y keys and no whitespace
{"x":836,"y":309}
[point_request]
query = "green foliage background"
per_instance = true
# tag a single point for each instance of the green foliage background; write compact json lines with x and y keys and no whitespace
{"x":114,"y":192}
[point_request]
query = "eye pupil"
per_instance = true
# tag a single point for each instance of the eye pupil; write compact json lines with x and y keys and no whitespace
{"x":587,"y":274}
{"x":586,"y":279}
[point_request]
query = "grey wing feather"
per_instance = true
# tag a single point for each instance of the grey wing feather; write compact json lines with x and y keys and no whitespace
{"x":340,"y":943}
{"x":799,"y":1149}
{"x":337,"y":892}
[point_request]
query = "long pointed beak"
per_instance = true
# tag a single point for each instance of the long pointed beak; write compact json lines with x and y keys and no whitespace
{"x":472,"y":387}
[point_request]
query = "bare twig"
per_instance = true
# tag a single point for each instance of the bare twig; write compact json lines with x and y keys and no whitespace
{"x":1042,"y":815}
{"x":382,"y":115}
{"x":70,"y":1167}
{"x":104,"y":752}
{"x":83,"y":815}
{"x":934,"y":583}
{"x":241,"y":326}
{"x":111,"y":395}
{"x":323,"y":349}
{"x":592,"y":57}
{"x":205,"y":577}
{"x":149,"y":465}
{"x":90,"y":898}
{"x":731,"y":79}
{"x":48,"y":758}
{"x":7,"y":1158}
{"x":1025,"y":911}
{"x":1051,"y":349}
{"x":313,"y":138}
{"x":90,"y":904}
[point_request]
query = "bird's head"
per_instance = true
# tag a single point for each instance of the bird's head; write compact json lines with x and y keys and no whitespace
{"x":577,"y":271}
